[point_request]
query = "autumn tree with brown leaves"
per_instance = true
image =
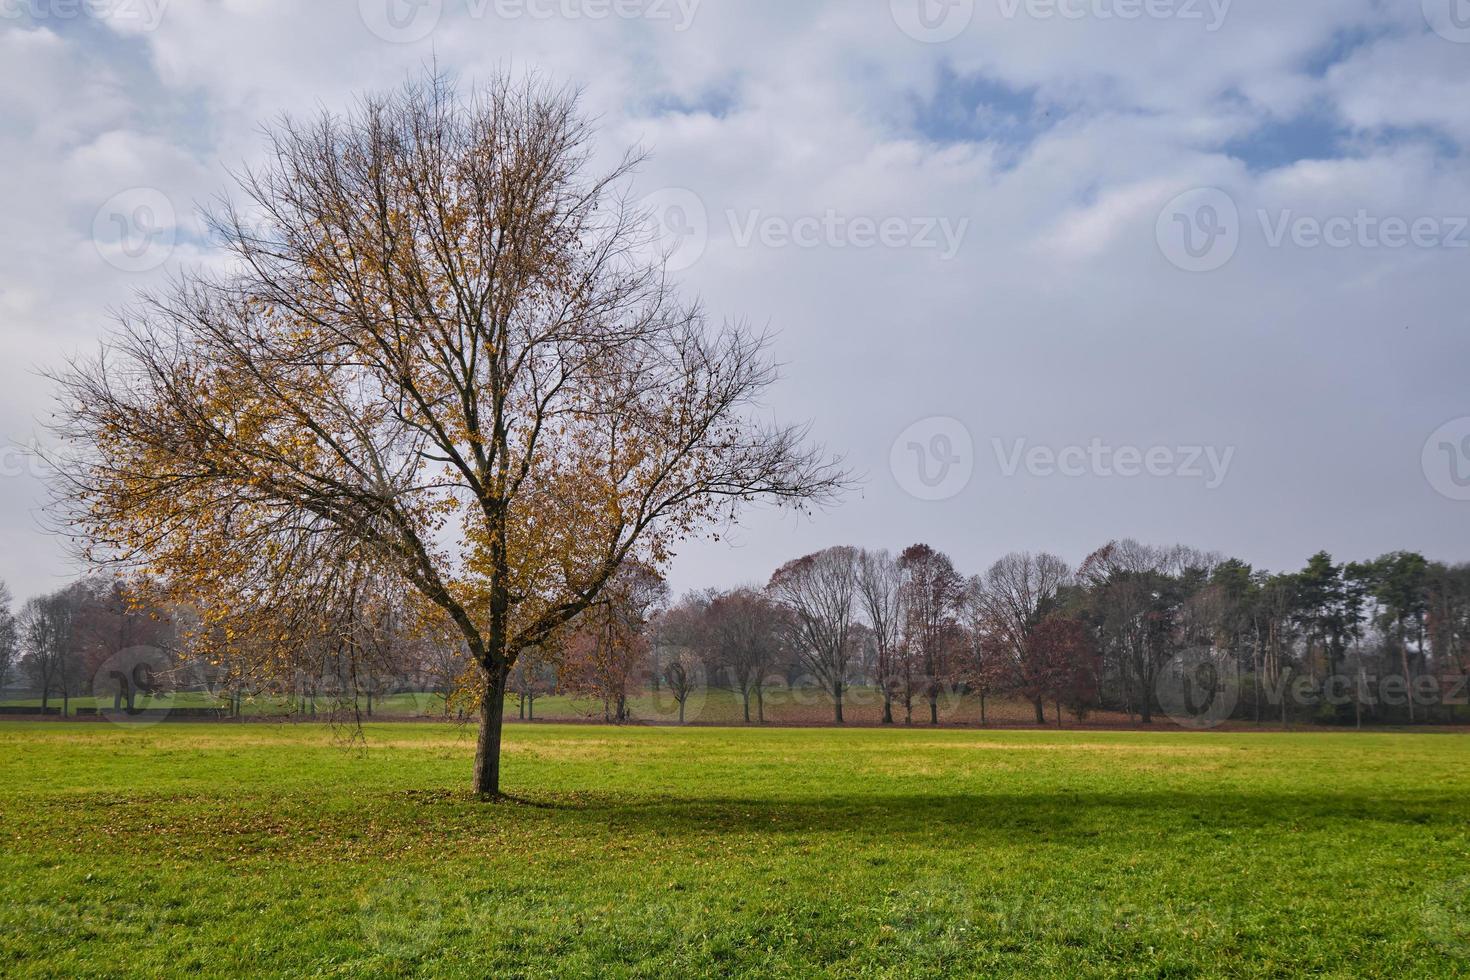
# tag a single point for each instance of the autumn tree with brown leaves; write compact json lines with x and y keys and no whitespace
{"x":441,"y":352}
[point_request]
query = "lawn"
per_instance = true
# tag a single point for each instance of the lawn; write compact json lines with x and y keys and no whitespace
{"x":201,"y":849}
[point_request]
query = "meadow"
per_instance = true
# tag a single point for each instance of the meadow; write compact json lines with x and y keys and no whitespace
{"x":306,"y":850}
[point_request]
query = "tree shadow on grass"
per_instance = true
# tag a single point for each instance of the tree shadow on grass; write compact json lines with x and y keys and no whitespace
{"x":1080,"y":815}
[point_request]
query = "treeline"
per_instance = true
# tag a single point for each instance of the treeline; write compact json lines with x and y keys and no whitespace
{"x":56,"y":645}
{"x":1135,"y":630}
{"x":114,"y":642}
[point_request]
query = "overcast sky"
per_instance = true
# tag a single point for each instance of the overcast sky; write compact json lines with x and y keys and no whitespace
{"x":1047,"y":272}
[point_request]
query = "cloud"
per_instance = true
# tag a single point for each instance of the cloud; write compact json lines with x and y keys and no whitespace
{"x":1055,"y":139}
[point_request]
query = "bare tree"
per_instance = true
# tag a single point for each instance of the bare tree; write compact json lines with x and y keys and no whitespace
{"x":46,"y":627}
{"x":682,"y":674}
{"x":533,"y":677}
{"x":880,"y":595}
{"x":746,"y":633}
{"x":9,"y":638}
{"x":441,"y":354}
{"x":820,"y":590}
{"x":609,"y":642}
{"x":1020,"y":591}
{"x":983,"y":671}
{"x":932,"y":591}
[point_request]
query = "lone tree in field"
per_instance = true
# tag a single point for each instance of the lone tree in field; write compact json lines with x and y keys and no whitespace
{"x":443,"y":352}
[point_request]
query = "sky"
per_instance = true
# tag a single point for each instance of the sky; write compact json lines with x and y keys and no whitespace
{"x":1045,"y":272}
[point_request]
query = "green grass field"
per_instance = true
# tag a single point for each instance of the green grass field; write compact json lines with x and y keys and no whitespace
{"x":292,"y":850}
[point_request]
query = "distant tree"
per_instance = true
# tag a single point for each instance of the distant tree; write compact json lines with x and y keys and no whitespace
{"x":1019,"y":592}
{"x":533,"y":678}
{"x":46,"y":626}
{"x":1320,"y":614}
{"x":1447,"y":622}
{"x":1065,"y":666}
{"x":746,"y":636}
{"x":682,"y":674}
{"x":9,"y":638}
{"x":1140,"y":599}
{"x":1399,"y":581}
{"x":932,"y":591}
{"x":820,"y":592}
{"x":609,"y":643}
{"x":880,"y":597}
{"x":984,"y":670}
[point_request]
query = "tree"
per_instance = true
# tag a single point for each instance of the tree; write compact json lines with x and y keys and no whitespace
{"x":932,"y":591}
{"x":1139,"y":597}
{"x":984,"y":668}
{"x":439,"y":354}
{"x":743,"y":632}
{"x":880,"y":596}
{"x":1020,"y":591}
{"x":46,"y":625}
{"x":1320,"y":613}
{"x":820,"y":590}
{"x":1064,"y":667}
{"x":9,"y":637}
{"x":610,"y":640}
{"x":532,"y":678}
{"x":1399,"y":586}
{"x":682,"y":674}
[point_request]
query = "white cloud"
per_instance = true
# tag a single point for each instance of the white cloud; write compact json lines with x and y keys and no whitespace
{"x":1058,"y":320}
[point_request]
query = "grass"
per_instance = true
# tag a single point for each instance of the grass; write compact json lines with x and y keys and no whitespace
{"x":785,"y":705}
{"x":290,"y":850}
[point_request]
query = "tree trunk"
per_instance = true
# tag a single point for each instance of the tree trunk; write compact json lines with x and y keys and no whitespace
{"x":1358,"y":696}
{"x":933,"y":702}
{"x":837,"y":702}
{"x":746,"y":697}
{"x":1408,"y":680}
{"x":760,"y":705}
{"x":1040,"y":711}
{"x":983,"y":722}
{"x":492,"y":717}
